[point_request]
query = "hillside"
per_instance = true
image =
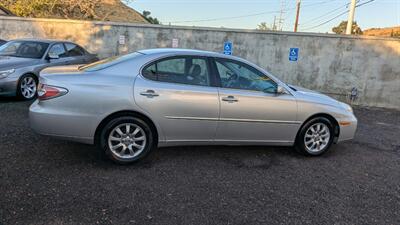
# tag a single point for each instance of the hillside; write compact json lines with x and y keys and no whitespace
{"x":103,"y":10}
{"x":383,"y":32}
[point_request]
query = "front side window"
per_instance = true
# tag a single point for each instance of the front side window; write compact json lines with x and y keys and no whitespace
{"x":24,"y":49}
{"x":58,"y":49}
{"x":183,"y":70}
{"x":238,"y":75}
{"x":74,"y":50}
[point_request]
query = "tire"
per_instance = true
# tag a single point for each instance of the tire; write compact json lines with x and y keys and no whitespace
{"x":27,"y":87}
{"x":315,"y":143}
{"x":135,"y":143}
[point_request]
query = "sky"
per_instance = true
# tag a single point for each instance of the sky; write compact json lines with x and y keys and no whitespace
{"x":315,"y":15}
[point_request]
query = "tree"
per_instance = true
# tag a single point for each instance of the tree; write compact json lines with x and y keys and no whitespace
{"x":263,"y":26}
{"x":152,"y":20}
{"x":341,"y":28}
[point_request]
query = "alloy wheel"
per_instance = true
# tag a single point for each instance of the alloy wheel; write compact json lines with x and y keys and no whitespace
{"x":28,"y":87}
{"x":317,"y":137}
{"x":127,"y":140}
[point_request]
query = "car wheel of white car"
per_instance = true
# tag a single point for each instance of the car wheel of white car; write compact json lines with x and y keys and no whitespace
{"x":127,"y":139}
{"x":27,"y":86}
{"x":315,"y":137}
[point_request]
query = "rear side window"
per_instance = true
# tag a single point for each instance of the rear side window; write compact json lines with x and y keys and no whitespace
{"x":183,"y":70}
{"x":74,"y":50}
{"x":58,"y":49}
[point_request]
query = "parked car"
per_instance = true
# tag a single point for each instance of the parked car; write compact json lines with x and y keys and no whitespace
{"x":131,"y":104}
{"x":22,"y":60}
{"x":2,"y":42}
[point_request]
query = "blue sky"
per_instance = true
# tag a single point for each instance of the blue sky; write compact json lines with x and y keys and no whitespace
{"x":379,"y":13}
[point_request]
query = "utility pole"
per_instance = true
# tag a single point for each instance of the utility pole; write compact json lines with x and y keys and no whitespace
{"x":274,"y":25}
{"x":351,"y":17}
{"x":296,"y":24}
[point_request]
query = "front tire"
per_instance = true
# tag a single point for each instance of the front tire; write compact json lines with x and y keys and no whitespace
{"x":127,"y":140}
{"x":27,"y":86}
{"x":315,"y":137}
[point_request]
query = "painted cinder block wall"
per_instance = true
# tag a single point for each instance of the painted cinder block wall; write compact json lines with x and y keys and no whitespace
{"x":330,"y":64}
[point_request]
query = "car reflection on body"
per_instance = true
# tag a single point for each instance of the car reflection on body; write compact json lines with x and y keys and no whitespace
{"x":22,"y":60}
{"x":131,"y":104}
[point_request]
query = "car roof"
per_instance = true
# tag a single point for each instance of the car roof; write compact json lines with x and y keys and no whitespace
{"x":49,"y":41}
{"x":179,"y":51}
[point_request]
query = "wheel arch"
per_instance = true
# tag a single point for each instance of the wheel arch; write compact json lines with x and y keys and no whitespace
{"x":327,"y":116}
{"x":136,"y":114}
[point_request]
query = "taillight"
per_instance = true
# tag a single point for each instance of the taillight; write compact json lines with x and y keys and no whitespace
{"x":47,"y":91}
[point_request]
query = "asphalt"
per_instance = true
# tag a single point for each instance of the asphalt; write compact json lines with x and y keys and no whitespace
{"x":49,"y":181}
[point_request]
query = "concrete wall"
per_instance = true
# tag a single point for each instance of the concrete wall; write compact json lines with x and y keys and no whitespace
{"x":328,"y":63}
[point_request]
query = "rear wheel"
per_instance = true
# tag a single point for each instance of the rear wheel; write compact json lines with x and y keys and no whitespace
{"x":315,"y":137}
{"x":127,"y":140}
{"x":27,"y":86}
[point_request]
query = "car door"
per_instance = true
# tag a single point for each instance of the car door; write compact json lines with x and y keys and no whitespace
{"x":178,"y":94}
{"x":251,"y":109}
{"x":58,"y":50}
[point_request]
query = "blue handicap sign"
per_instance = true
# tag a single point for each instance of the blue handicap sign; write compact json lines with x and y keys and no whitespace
{"x":228,"y":48}
{"x":294,"y":54}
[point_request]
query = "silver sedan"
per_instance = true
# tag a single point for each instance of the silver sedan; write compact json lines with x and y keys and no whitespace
{"x":130,"y":105}
{"x":21,"y":61}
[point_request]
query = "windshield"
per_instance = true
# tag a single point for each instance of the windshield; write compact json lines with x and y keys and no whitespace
{"x":99,"y":65}
{"x":24,"y":49}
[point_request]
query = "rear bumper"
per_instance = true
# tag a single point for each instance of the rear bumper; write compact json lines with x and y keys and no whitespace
{"x":59,"y":125}
{"x":348,"y":127}
{"x":8,"y":86}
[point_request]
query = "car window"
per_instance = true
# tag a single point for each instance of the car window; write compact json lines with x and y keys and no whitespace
{"x":24,"y":49}
{"x":108,"y":62}
{"x":58,"y":49}
{"x":183,"y":70}
{"x":74,"y":50}
{"x":238,"y":75}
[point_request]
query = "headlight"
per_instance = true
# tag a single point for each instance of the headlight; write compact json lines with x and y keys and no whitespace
{"x":5,"y":73}
{"x":347,"y":107}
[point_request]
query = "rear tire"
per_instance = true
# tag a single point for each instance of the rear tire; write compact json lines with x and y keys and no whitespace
{"x":127,"y":140}
{"x":315,"y":137}
{"x":27,"y":86}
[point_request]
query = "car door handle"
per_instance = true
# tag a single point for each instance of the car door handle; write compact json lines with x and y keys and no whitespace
{"x":229,"y":98}
{"x":149,"y":93}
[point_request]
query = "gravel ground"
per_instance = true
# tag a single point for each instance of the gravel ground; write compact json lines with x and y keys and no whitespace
{"x":48,"y":181}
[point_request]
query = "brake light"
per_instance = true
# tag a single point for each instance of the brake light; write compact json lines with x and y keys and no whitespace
{"x":47,"y":92}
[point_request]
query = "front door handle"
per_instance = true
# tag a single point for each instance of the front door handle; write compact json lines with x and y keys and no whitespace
{"x":230,"y":99}
{"x":149,"y":93}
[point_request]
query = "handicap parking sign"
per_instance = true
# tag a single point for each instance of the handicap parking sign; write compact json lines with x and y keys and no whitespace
{"x":228,"y":48}
{"x":293,"y":54}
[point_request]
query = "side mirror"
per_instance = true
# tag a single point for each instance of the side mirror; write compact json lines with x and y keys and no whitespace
{"x":280,"y":90}
{"x":53,"y":56}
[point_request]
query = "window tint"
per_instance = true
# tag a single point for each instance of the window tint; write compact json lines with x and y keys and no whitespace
{"x":184,"y":70}
{"x":108,"y":62}
{"x":58,"y":49}
{"x":238,"y":75}
{"x":24,"y":49}
{"x":74,"y":50}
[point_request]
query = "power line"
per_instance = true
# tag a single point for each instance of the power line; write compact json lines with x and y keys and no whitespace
{"x":341,"y":14}
{"x":247,"y":15}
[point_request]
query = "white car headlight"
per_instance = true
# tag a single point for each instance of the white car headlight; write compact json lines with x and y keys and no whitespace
{"x":6,"y":73}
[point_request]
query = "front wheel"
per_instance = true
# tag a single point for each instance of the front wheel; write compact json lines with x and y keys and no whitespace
{"x":127,"y":139}
{"x":27,"y":86}
{"x":315,"y":137}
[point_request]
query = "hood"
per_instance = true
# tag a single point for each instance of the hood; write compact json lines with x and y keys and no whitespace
{"x":9,"y":62}
{"x":73,"y":69}
{"x":314,"y":96}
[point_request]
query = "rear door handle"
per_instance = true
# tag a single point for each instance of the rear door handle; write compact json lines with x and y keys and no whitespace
{"x":149,"y":93}
{"x":230,"y":99}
